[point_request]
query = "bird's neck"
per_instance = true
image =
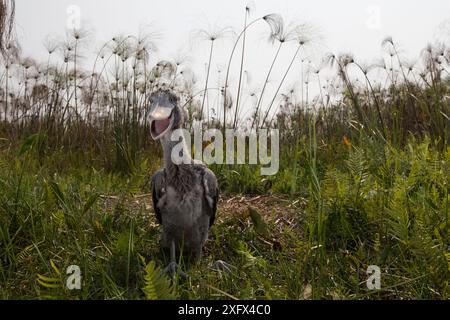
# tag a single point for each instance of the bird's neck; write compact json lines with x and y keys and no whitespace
{"x":178,"y":148}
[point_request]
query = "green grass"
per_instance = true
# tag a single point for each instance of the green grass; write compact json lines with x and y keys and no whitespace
{"x":363,"y":180}
{"x":378,"y":205}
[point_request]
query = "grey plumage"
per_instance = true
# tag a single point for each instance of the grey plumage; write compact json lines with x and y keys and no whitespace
{"x":185,"y":195}
{"x":185,"y":201}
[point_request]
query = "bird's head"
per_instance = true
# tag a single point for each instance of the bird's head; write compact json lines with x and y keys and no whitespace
{"x":165,"y":114}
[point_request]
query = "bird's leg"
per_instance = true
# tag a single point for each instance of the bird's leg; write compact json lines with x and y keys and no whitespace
{"x":220,"y":265}
{"x":173,"y":267}
{"x":172,"y":251}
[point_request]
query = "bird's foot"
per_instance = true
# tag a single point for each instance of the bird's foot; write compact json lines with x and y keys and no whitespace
{"x":174,"y":269}
{"x":222,"y":266}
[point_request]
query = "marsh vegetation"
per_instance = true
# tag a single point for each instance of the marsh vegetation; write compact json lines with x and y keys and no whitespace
{"x":364,"y":171}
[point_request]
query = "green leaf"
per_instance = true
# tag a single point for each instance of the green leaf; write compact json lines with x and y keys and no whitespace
{"x":49,"y":285}
{"x":54,"y":267}
{"x":90,"y":202}
{"x":258,"y":222}
{"x":157,"y":286}
{"x":58,"y":193}
{"x":47,"y":279}
{"x":31,"y":141}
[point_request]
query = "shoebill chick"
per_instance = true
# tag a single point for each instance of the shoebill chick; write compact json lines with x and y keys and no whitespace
{"x":184,"y":195}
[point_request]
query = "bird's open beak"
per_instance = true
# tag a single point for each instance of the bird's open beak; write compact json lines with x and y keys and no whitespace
{"x":161,"y":121}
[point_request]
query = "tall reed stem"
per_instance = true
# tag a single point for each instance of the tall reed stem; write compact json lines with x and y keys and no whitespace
{"x":281,"y":83}
{"x":265,"y":85}
{"x":228,"y":69}
{"x":207,"y":78}
{"x":240,"y":73}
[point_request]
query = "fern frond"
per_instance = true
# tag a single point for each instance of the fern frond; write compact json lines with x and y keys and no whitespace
{"x":358,"y":165}
{"x":157,"y":286}
{"x":25,"y":253}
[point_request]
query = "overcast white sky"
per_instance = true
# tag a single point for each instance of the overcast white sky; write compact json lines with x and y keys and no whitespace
{"x":356,"y":26}
{"x":347,"y":24}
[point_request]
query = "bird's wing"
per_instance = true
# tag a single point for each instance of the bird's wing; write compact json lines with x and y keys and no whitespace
{"x":211,"y":193}
{"x":158,"y":191}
